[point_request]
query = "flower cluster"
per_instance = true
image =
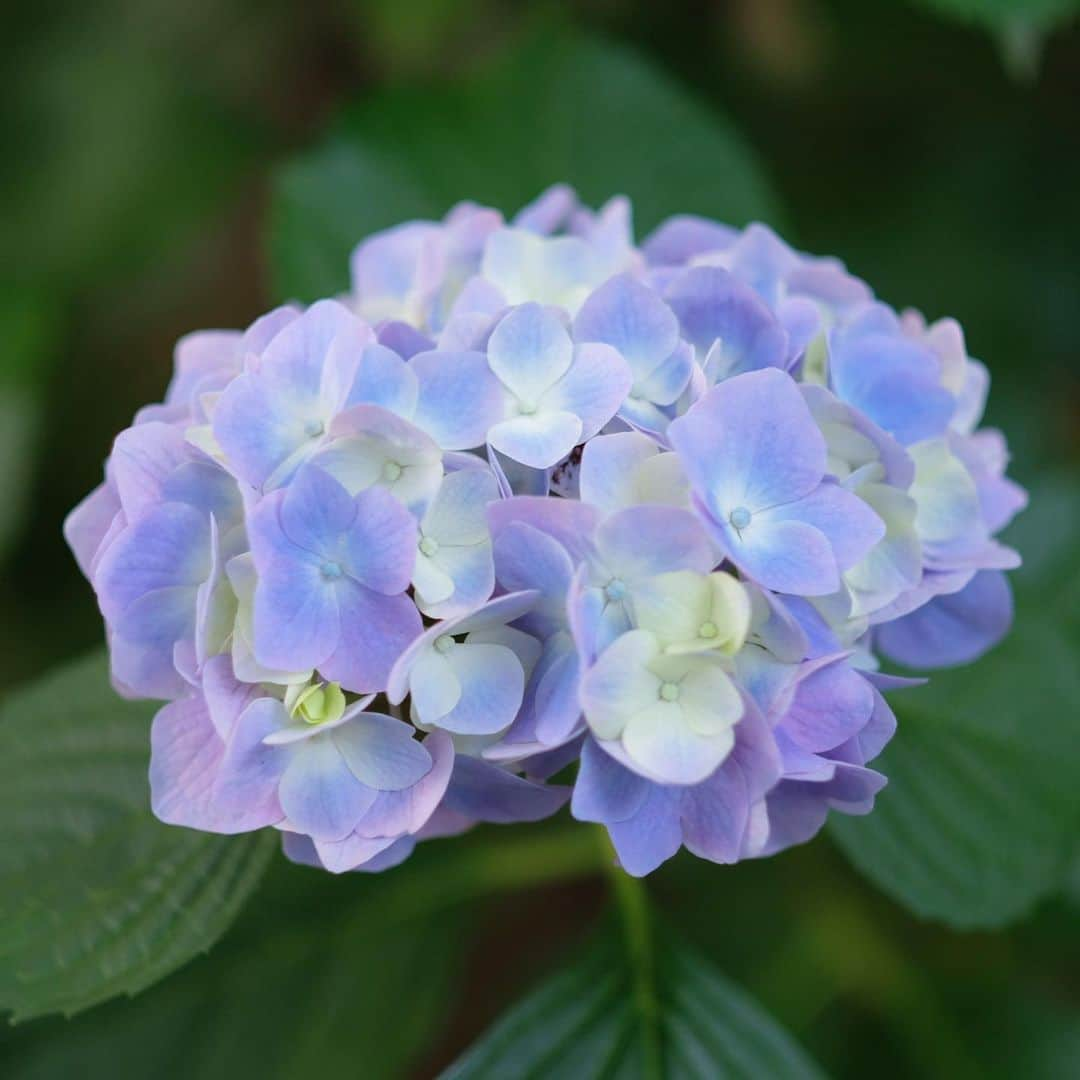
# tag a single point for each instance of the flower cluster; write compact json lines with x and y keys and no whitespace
{"x":535,"y":516}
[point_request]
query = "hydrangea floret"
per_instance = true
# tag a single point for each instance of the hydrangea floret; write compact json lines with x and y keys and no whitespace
{"x":536,"y":516}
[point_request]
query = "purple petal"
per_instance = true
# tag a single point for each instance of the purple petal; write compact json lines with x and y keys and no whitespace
{"x":381,"y":751}
{"x":593,"y":389}
{"x":319,"y":793}
{"x":604,"y":790}
{"x":750,"y":442}
{"x":952,"y":629}
{"x":713,"y":304}
{"x":374,"y":631}
{"x":482,"y":791}
{"x":459,"y":398}
{"x":245,"y":791}
{"x":630,"y":317}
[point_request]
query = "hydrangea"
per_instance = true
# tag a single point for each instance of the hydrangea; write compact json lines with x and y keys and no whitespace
{"x":535,"y":516}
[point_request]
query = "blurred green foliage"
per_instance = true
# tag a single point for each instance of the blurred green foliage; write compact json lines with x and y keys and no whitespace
{"x":139,"y":139}
{"x":558,"y":109}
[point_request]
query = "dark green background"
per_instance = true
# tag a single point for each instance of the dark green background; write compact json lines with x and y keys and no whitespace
{"x":937,"y":151}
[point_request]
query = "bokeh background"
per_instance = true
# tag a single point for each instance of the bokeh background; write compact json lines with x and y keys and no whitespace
{"x":936,"y":150}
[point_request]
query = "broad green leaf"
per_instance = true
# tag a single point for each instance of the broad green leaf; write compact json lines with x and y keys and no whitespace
{"x":324,"y":976}
{"x":302,"y":989}
{"x":650,"y":1009}
{"x":561,"y":108}
{"x":982,"y":809}
{"x":97,"y":898}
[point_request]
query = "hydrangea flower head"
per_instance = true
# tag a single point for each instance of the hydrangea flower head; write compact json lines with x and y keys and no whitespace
{"x":535,"y":515}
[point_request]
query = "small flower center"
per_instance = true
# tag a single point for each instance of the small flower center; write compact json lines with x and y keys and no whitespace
{"x":319,"y":703}
{"x":739,"y":517}
{"x":314,"y":428}
{"x":428,"y":546}
{"x":330,"y":571}
{"x":444,"y":644}
{"x":526,"y":408}
{"x":708,"y":630}
{"x":669,"y":691}
{"x":391,"y":471}
{"x":615,"y":590}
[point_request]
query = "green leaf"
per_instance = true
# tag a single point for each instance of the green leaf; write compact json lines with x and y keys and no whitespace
{"x":641,"y":1004}
{"x":298,"y":990}
{"x":97,"y":898}
{"x":981,"y":812}
{"x":325,"y":976}
{"x":561,"y":108}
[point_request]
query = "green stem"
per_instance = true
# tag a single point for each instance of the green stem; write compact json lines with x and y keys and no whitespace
{"x":632,"y":904}
{"x":495,"y":864}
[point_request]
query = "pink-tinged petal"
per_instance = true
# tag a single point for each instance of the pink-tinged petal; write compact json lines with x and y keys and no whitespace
{"x":185,"y":756}
{"x":459,"y":398}
{"x":319,"y":793}
{"x":226,"y":696}
{"x":88,"y":525}
{"x":750,"y":442}
{"x":246,"y":781}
